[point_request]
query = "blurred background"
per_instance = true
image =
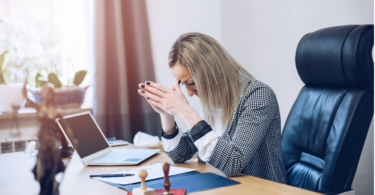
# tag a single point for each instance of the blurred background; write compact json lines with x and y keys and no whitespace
{"x":123,"y":43}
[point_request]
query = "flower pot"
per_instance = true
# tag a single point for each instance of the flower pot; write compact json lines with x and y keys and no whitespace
{"x":64,"y":97}
{"x":10,"y":94}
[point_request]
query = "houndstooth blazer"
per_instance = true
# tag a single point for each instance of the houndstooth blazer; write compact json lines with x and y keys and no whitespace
{"x":251,"y":142}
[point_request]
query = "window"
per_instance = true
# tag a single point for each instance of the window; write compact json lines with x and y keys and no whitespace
{"x":63,"y":29}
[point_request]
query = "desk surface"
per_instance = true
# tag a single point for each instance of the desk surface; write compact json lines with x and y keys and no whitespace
{"x":16,"y":178}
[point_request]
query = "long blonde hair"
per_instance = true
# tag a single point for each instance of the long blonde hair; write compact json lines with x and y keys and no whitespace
{"x":214,"y":72}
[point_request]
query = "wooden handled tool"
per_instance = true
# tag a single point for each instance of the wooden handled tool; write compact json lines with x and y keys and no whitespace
{"x":143,"y":174}
{"x":167,"y":183}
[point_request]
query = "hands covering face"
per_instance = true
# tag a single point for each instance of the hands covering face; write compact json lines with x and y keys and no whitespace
{"x":164,"y":100}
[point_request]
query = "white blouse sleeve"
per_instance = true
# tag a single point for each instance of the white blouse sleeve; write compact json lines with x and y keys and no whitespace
{"x":207,"y":142}
{"x":206,"y":145}
{"x":204,"y":141}
{"x":171,"y":144}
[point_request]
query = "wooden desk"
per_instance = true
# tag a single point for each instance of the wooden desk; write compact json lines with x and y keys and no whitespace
{"x":16,"y":178}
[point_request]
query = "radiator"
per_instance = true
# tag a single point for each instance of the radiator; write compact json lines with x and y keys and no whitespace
{"x":15,"y":146}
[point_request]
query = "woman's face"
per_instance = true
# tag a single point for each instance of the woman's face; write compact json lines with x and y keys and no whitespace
{"x":182,"y":74}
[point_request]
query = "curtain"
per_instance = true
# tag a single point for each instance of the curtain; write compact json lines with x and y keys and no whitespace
{"x":123,"y":60}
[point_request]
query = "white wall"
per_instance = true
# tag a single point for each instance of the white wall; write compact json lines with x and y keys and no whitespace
{"x":263,"y":36}
{"x":171,"y":18}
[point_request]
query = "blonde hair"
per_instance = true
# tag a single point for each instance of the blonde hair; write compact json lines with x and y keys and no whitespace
{"x":214,"y":72}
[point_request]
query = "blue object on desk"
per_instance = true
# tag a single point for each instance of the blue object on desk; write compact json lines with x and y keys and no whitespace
{"x":191,"y":181}
{"x":111,"y":138}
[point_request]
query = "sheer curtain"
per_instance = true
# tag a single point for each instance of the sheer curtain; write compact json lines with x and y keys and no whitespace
{"x":123,"y":59}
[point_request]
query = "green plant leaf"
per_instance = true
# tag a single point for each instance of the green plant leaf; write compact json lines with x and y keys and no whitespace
{"x":52,"y":78}
{"x":2,"y":80}
{"x":4,"y":58}
{"x":6,"y":74}
{"x":79,"y":77}
{"x":37,"y":81}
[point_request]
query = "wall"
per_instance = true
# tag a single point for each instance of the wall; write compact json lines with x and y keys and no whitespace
{"x":168,"y":20}
{"x":263,"y":36}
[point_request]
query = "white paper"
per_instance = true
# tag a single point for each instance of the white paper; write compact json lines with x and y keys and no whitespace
{"x":153,"y":172}
{"x":145,"y":140}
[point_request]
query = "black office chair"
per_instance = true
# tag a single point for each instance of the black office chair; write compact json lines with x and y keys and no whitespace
{"x":327,"y":126}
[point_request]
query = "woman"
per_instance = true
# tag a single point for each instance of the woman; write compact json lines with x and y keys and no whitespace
{"x":239,"y":131}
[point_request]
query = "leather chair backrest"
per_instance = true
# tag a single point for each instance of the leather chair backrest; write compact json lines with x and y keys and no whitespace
{"x":327,"y":126}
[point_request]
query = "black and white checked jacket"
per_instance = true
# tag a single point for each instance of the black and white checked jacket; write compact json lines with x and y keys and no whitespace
{"x":251,"y":142}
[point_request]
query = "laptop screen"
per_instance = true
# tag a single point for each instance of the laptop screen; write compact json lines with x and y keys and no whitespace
{"x":86,"y":132}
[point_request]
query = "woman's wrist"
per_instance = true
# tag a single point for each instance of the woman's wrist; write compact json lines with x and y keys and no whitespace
{"x":168,"y":124}
{"x":166,"y":115}
{"x":190,"y":116}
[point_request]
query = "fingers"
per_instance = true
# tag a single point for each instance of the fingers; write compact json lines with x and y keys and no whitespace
{"x":152,"y":90}
{"x":154,"y":103}
{"x":157,"y":86}
{"x":149,"y":100}
{"x":174,"y":83}
{"x":149,"y":95}
{"x":141,"y":92}
{"x":156,"y":108}
{"x":176,"y":86}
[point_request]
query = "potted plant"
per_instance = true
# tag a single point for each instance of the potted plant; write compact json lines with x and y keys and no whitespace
{"x":65,"y":97}
{"x":28,"y":59}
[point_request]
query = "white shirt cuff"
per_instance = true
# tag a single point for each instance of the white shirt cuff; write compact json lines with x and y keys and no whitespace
{"x":206,"y":145}
{"x":171,"y":144}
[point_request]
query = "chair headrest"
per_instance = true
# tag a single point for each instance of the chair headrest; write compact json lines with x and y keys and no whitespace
{"x":338,"y":56}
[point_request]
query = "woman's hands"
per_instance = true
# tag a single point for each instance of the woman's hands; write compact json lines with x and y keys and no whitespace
{"x":164,"y":100}
{"x":169,"y":103}
{"x":157,"y":109}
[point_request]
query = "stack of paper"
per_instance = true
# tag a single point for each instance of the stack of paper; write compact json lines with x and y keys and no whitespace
{"x":154,"y":171}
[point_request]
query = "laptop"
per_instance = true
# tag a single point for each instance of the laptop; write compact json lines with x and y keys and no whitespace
{"x":92,"y":147}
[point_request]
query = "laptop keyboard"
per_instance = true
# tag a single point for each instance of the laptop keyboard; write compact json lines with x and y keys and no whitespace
{"x":119,"y":156}
{"x":118,"y":142}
